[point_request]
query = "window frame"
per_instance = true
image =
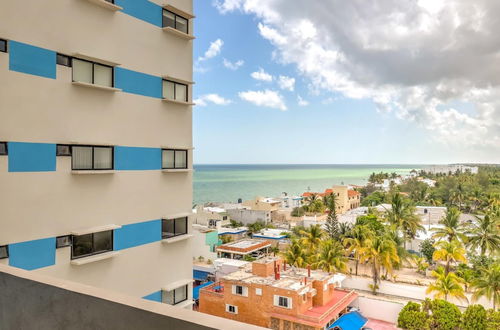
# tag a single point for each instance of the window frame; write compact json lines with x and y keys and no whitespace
{"x":186,"y":287}
{"x":93,"y":70}
{"x":175,"y":20}
{"x":282,"y":298}
{"x":175,"y":90}
{"x":238,"y":288}
{"x":58,"y":246}
{"x":175,"y":168}
{"x":6,"y":153}
{"x":70,"y":61}
{"x":6,"y":46}
{"x":73,"y":257}
{"x":6,"y":251}
{"x":60,"y":154}
{"x":175,"y":234}
{"x":229,"y":307}
{"x":93,"y":151}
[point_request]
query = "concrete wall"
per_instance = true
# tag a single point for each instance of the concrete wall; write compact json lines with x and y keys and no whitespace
{"x":249,"y":216}
{"x":32,"y":301}
{"x":379,"y":309}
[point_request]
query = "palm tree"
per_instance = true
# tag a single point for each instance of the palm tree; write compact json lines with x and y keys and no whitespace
{"x":356,"y":242}
{"x":484,"y":234}
{"x":452,"y":229}
{"x":446,"y":285}
{"x":488,"y":285}
{"x":295,"y":255}
{"x":449,"y":252}
{"x":331,"y":257}
{"x":458,"y":196}
{"x":379,"y":251}
{"x":311,"y":238}
{"x":402,"y":216}
{"x":345,"y":231}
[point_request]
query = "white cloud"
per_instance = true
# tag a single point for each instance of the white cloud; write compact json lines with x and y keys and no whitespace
{"x":287,"y":83}
{"x":266,"y":98}
{"x":301,"y":101}
{"x":411,"y":58}
{"x":262,"y":75}
{"x":212,"y":51}
{"x":233,"y":66}
{"x":204,"y":100}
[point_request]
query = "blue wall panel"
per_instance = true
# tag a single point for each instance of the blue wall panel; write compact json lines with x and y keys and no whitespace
{"x":33,"y":254}
{"x":137,"y":234}
{"x":143,"y":10}
{"x":137,"y":158}
{"x":155,"y":296}
{"x":138,"y":83}
{"x":31,"y":157}
{"x":32,"y":60}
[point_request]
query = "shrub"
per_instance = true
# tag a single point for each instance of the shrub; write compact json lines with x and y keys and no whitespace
{"x":474,"y":318}
{"x":427,"y":248}
{"x":412,"y":317}
{"x":445,"y":315}
{"x":492,"y":320}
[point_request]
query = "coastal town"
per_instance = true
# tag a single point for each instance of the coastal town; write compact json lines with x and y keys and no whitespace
{"x":355,"y":257}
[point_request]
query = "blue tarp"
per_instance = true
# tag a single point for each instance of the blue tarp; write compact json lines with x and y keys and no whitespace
{"x":200,"y":275}
{"x":196,"y":290}
{"x":350,"y":321}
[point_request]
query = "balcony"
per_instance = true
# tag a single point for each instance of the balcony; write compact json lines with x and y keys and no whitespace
{"x":31,"y":300}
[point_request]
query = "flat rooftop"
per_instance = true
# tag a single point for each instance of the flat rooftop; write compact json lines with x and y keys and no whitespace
{"x":244,"y":246}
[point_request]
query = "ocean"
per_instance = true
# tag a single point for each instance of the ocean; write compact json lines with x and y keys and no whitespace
{"x":227,"y":183}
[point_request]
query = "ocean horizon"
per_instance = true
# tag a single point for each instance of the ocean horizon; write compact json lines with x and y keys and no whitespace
{"x":229,"y":182}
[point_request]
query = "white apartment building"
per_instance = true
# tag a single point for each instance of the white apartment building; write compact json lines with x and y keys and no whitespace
{"x":95,"y":143}
{"x":445,"y":169}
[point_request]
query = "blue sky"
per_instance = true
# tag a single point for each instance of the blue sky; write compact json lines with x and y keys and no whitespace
{"x":334,"y":127}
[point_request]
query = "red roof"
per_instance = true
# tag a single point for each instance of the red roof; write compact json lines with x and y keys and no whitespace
{"x":352,"y":193}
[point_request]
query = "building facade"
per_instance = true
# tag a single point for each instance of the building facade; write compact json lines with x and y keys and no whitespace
{"x":95,"y":143}
{"x":268,"y":294}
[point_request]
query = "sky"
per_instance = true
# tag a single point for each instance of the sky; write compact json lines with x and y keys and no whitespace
{"x":346,"y":82}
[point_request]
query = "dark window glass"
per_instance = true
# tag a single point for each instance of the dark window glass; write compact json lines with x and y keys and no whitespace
{"x":175,"y":21}
{"x":174,"y":159}
{"x":4,"y":252}
{"x":174,"y":227}
{"x":283,"y":302}
{"x":63,"y":150}
{"x":239,"y":289}
{"x":63,"y":241}
{"x":90,"y":244}
{"x":232,"y":309}
{"x":3,"y":45}
{"x":63,"y":60}
{"x":176,"y":296}
{"x":91,"y":158}
{"x":3,"y":148}
{"x":110,"y":1}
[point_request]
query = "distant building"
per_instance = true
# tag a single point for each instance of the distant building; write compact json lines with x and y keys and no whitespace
{"x":233,"y":233}
{"x":446,"y":169}
{"x":254,"y":248}
{"x":248,"y":216}
{"x":210,"y":216}
{"x":273,"y":236}
{"x":262,"y":204}
{"x":268,"y":294}
{"x":347,"y":198}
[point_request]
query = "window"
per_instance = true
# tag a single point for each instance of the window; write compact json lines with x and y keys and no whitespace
{"x":91,"y":158}
{"x":63,"y":60}
{"x":176,"y":296}
{"x":63,"y":150}
{"x":174,"y":159}
{"x":258,"y":292}
{"x":175,"y":91}
{"x":63,"y":241}
{"x":175,"y":21}
{"x":4,"y":252}
{"x":110,"y":1}
{"x":231,"y":309}
{"x":239,"y":290}
{"x":284,"y":302}
{"x":91,"y":244}
{"x":174,"y":227}
{"x":3,"y":45}
{"x":92,"y":73}
{"x":3,"y":148}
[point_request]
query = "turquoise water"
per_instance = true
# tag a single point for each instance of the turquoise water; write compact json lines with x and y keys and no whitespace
{"x":227,"y":183}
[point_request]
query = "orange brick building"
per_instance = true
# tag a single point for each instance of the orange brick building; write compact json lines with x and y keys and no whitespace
{"x":269,"y":294}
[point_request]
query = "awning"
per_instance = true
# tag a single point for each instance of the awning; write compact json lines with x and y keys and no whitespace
{"x":350,"y":321}
{"x":196,"y":290}
{"x":200,"y":275}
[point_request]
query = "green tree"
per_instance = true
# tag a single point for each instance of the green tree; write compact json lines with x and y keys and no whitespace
{"x":492,"y":319}
{"x":312,"y":237}
{"x":446,"y":285}
{"x":373,"y":199}
{"x":402,"y":216}
{"x":444,"y":315}
{"x":412,"y":317}
{"x":474,"y":318}
{"x":427,"y":249}
{"x":332,"y":222}
{"x":488,"y":285}
{"x":380,"y":252}
{"x":295,"y":255}
{"x":355,"y":243}
{"x":330,"y":257}
{"x":449,"y":252}
{"x":484,"y":234}
{"x":452,"y":228}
